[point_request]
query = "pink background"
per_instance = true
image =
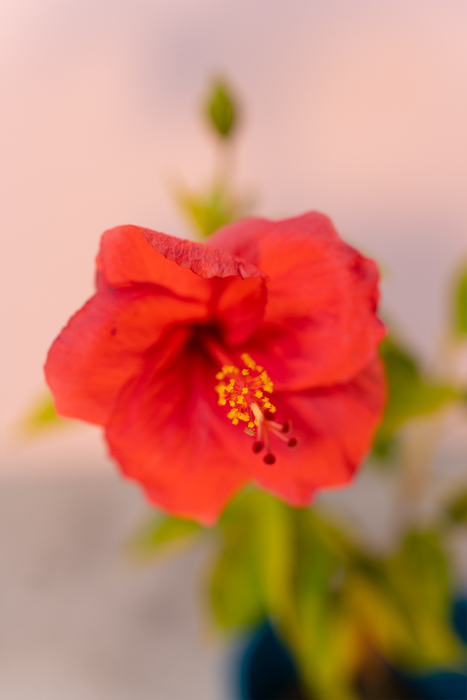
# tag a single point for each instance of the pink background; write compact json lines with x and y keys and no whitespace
{"x":357,"y":109}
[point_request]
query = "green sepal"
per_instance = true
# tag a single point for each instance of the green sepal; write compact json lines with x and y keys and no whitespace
{"x":221,"y":110}
{"x":209,"y":211}
{"x":42,"y":416}
{"x":160,"y":533}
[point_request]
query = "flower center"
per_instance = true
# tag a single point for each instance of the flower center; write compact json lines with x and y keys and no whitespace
{"x":246,"y":392}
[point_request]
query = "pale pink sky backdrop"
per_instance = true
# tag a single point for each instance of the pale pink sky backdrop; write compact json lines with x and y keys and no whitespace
{"x":357,"y":109}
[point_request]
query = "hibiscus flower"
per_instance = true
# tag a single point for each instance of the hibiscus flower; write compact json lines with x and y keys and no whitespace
{"x":250,"y":358}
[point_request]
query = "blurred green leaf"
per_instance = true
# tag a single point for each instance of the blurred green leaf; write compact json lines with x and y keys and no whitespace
{"x":276,"y":539}
{"x":327,"y":647}
{"x":280,"y":562}
{"x":401,"y":604}
{"x":161,"y":532}
{"x":237,"y":593}
{"x":418,"y":579}
{"x":410,"y":394}
{"x":210,"y":211}
{"x":329,"y":600}
{"x":347,"y":600}
{"x":377,"y":614}
{"x":384,"y":448}
{"x":460,"y":303}
{"x":457,"y":509}
{"x":42,"y":417}
{"x":253,"y":576}
{"x":221,"y":110}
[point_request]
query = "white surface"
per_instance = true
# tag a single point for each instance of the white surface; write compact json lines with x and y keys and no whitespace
{"x":80,"y":620}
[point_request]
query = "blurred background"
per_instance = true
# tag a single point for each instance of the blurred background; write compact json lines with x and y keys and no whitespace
{"x":356,"y":109}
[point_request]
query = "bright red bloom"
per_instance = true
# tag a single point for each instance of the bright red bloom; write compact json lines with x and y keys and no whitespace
{"x":142,"y":356}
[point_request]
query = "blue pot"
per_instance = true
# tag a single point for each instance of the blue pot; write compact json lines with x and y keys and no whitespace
{"x":268,"y":672}
{"x":445,"y":685}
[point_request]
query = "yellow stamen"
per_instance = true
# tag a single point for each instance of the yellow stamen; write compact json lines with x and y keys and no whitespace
{"x":241,"y":390}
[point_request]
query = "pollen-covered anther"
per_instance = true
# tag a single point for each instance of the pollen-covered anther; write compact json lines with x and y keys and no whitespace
{"x":244,"y":391}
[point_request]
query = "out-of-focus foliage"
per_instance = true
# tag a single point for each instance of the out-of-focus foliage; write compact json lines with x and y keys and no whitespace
{"x":218,"y":204}
{"x":237,"y":586}
{"x":221,"y":109}
{"x":410,"y":394}
{"x":460,"y":305}
{"x":457,"y":509}
{"x":418,"y":584}
{"x":210,"y":210}
{"x":162,"y":532}
{"x":255,"y":556}
{"x":331,"y":601}
{"x":42,"y":416}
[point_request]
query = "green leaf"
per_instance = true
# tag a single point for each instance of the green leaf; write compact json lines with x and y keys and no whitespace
{"x":221,"y":109}
{"x":418,"y":580}
{"x":457,"y":510}
{"x":384,"y":448}
{"x":376,"y":611}
{"x":282,"y":563}
{"x":253,"y":575}
{"x":237,"y":594}
{"x":327,"y":598}
{"x":327,"y":647}
{"x":42,"y":417}
{"x":346,"y":600}
{"x":460,"y":303}
{"x":410,"y":394}
{"x":162,"y":532}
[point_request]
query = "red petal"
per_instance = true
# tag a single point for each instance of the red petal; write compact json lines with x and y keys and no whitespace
{"x":238,"y":306}
{"x":236,"y":290}
{"x":320,"y":326}
{"x":334,"y":427}
{"x":104,"y":345}
{"x":130,"y":254}
{"x":169,"y":434}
